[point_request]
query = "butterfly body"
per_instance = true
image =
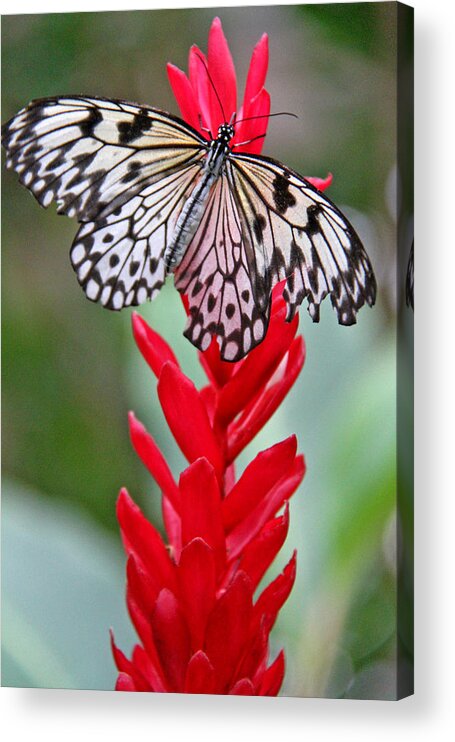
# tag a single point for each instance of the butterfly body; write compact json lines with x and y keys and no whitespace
{"x":153,"y":196}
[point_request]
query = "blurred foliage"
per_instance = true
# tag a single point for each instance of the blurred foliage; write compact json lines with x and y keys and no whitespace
{"x":71,"y":370}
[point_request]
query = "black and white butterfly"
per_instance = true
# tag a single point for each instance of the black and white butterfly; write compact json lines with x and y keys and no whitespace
{"x":153,"y":196}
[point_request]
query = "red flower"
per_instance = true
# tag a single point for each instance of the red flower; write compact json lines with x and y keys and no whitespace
{"x":192,"y":599}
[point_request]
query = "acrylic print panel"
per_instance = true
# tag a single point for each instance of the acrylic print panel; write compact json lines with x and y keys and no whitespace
{"x":263,"y":545}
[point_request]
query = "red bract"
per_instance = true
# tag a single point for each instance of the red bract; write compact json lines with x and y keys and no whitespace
{"x":192,"y":597}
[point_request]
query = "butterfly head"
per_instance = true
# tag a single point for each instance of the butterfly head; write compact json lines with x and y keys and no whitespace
{"x":225,"y":133}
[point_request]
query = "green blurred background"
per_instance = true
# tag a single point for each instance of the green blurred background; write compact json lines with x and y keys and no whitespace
{"x":71,"y":370}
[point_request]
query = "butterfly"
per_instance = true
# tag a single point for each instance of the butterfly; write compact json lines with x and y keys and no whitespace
{"x":154,"y":197}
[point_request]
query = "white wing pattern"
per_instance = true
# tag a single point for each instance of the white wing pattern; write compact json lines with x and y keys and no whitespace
{"x":126,"y":171}
{"x":123,"y":170}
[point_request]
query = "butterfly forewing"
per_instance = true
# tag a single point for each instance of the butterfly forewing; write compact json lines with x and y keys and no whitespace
{"x":119,"y":258}
{"x":90,"y":154}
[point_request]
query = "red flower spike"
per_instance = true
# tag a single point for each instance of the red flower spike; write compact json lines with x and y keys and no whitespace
{"x":191,"y":596}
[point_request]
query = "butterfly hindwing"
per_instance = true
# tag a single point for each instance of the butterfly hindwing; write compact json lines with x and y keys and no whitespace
{"x":298,"y":234}
{"x":119,"y":258}
{"x":215,"y":276}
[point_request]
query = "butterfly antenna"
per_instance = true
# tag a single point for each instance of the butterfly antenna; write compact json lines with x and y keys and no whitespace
{"x":201,"y":58}
{"x":268,"y":116}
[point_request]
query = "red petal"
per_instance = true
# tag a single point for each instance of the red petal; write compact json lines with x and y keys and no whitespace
{"x":187,"y":417}
{"x":153,"y":460}
{"x":218,"y":371}
{"x":184,"y":95}
{"x":209,"y":398}
{"x":155,"y":676}
{"x":228,"y":628}
{"x":144,"y":587}
{"x":243,"y":687}
{"x":173,"y":526}
{"x":275,"y":595}
{"x":321,"y":183}
{"x":153,"y":347}
{"x":249,"y":425}
{"x":197,"y":66}
{"x":125,"y":683}
{"x":273,"y":677}
{"x":260,"y":553}
{"x":257,"y":368}
{"x":197,"y":579}
{"x":257,"y":480}
{"x":200,"y":676}
{"x":201,"y":508}
{"x":147,"y":669}
{"x":255,"y":658}
{"x":126,"y":667}
{"x":257,"y":71}
{"x":222,"y":72}
{"x":245,"y":531}
{"x":171,"y":638}
{"x":143,"y":541}
{"x":248,"y":130}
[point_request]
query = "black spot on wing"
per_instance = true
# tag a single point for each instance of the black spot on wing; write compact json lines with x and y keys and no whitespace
{"x":94,"y":118}
{"x":312,"y":225}
{"x":281,"y":194}
{"x":258,"y":227}
{"x":131,"y":130}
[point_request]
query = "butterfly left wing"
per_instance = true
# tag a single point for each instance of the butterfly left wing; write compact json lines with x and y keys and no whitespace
{"x":119,"y":257}
{"x":91,"y":155}
{"x":298,"y":234}
{"x":123,"y":170}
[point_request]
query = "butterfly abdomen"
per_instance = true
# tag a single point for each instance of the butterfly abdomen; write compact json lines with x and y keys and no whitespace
{"x":191,"y":214}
